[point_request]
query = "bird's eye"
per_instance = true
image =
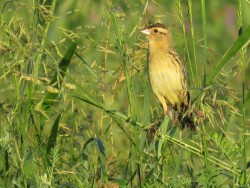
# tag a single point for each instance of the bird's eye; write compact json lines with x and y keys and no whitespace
{"x":156,"y":30}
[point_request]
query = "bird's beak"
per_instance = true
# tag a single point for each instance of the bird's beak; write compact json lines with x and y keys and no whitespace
{"x":145,"y":31}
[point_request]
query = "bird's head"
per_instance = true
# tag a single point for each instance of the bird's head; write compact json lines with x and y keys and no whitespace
{"x":158,"y":35}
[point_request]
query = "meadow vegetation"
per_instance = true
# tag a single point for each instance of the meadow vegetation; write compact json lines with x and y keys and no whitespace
{"x":76,"y":105}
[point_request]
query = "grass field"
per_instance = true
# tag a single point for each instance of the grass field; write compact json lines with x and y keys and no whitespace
{"x":76,"y":104}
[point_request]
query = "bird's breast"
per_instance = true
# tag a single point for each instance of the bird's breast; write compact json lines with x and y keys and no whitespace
{"x":166,"y":77}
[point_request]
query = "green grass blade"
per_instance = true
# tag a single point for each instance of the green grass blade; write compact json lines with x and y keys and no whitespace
{"x":146,"y":109}
{"x":204,"y":25}
{"x":57,"y":79}
{"x":147,"y":102}
{"x":90,"y":100}
{"x":237,"y":45}
{"x":189,"y":2}
{"x":247,"y":99}
{"x":87,"y":66}
{"x":164,"y":127}
{"x":181,"y":20}
{"x":102,"y":154}
{"x":53,"y":135}
{"x":112,"y":113}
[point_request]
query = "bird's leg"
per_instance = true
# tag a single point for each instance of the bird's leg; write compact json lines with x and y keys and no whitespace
{"x":158,"y":121}
{"x":172,"y":115}
{"x":180,"y":134}
{"x":168,"y":110}
{"x":165,"y":109}
{"x":156,"y":125}
{"x":152,"y":130}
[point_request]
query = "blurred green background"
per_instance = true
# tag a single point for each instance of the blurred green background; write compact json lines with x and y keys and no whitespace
{"x":109,"y":67}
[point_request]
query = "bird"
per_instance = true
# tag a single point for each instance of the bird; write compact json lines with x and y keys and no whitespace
{"x":167,"y":76}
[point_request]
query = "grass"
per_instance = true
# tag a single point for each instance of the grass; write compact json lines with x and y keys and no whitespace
{"x":76,"y":104}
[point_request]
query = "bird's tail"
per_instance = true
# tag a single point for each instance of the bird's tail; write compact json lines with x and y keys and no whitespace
{"x":187,"y":120}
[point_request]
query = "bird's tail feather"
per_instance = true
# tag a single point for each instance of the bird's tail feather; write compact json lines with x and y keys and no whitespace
{"x":187,"y":121}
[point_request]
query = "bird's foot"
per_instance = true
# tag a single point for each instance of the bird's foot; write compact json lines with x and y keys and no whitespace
{"x":199,"y":113}
{"x":152,"y":130}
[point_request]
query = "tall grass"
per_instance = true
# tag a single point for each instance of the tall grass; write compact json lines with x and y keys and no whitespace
{"x":76,"y":106}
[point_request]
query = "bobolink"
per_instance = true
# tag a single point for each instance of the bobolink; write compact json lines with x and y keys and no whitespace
{"x":167,"y":75}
